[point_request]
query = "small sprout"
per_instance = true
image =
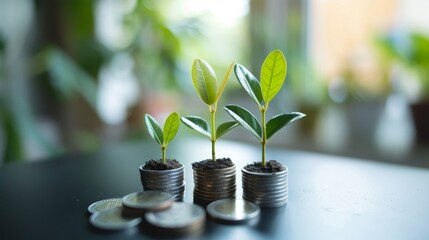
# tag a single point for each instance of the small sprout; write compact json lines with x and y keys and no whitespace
{"x":273,"y":75}
{"x":205,"y":83}
{"x":163,"y":137}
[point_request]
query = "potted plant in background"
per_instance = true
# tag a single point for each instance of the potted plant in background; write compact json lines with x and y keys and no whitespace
{"x":414,"y":57}
{"x":214,"y":178}
{"x":265,"y":182}
{"x":165,"y":175}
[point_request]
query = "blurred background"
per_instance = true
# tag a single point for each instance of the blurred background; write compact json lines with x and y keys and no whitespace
{"x":78,"y":75}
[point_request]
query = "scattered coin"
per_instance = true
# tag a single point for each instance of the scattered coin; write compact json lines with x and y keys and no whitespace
{"x":181,"y":216}
{"x":148,"y":200}
{"x":233,"y":210}
{"x":104,"y":205}
{"x":113,"y":219}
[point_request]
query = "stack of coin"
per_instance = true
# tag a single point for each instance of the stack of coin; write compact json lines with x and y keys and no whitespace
{"x":214,"y":184}
{"x":167,"y":217}
{"x":171,"y":181}
{"x":265,"y":189}
{"x":119,"y":214}
{"x":108,"y":214}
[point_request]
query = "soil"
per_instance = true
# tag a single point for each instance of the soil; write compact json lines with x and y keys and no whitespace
{"x":159,"y":165}
{"x":271,"y":166}
{"x":208,"y":164}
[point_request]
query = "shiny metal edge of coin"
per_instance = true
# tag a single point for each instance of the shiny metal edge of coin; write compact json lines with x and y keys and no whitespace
{"x":216,"y":189}
{"x":206,"y":199}
{"x":264,"y":201}
{"x":181,"y":215}
{"x":215,"y":173}
{"x":233,"y":210}
{"x":111,"y":203}
{"x":266,"y":189}
{"x":163,"y":187}
{"x":214,"y":170}
{"x":265,"y":180}
{"x":113,"y":219}
{"x":148,"y":200}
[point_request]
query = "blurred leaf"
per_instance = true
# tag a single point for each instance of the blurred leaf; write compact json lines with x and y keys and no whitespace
{"x":1,"y":44}
{"x":13,"y":149}
{"x":68,"y":77}
{"x":225,"y":127}
{"x":273,"y":74}
{"x":198,"y":124}
{"x":171,"y":127}
{"x":249,"y":83}
{"x":245,"y":119}
{"x":204,"y":80}
{"x":281,"y":120}
{"x":387,"y":48}
{"x":154,"y":129}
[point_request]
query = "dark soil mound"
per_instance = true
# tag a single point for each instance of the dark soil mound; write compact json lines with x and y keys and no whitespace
{"x":272,"y":166}
{"x":208,"y":164}
{"x":159,"y":165}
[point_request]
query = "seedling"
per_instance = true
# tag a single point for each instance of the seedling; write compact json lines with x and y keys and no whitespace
{"x":273,"y":73}
{"x":163,"y":137}
{"x":205,"y":83}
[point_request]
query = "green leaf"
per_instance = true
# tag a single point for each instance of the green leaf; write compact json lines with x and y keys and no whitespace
{"x":13,"y":147}
{"x":245,"y":119}
{"x":225,"y":127}
{"x":225,"y":80}
{"x":198,"y":124}
{"x":273,"y":74}
{"x":153,"y":128}
{"x":68,"y":77}
{"x":171,"y":127}
{"x":249,"y":83}
{"x":204,"y":80}
{"x":281,"y":120}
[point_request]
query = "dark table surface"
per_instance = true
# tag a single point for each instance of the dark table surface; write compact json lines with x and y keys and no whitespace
{"x":330,"y":197}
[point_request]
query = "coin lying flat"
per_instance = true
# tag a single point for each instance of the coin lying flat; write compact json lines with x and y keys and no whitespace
{"x":104,"y":205}
{"x":181,"y":216}
{"x":113,"y":219}
{"x":148,"y":200}
{"x":232,"y":210}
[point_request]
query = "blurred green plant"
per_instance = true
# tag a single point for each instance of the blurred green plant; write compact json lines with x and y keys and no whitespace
{"x":413,"y":55}
{"x":64,"y":65}
{"x":156,"y":45}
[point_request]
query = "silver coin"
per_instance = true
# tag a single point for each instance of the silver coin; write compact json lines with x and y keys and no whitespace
{"x":232,"y":210}
{"x":113,"y":219}
{"x":104,"y":205}
{"x":181,"y":216}
{"x":148,"y":200}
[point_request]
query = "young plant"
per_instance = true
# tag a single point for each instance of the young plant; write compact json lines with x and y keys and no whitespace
{"x":163,"y":137}
{"x":205,"y":83}
{"x":273,"y":75}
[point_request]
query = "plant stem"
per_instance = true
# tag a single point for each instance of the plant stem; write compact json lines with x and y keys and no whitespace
{"x":264,"y":134}
{"x":163,"y":149}
{"x":213,"y":138}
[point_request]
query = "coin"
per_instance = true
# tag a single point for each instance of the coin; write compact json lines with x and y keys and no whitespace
{"x":232,"y":210}
{"x":104,"y":204}
{"x":148,"y":200}
{"x":181,"y":216}
{"x":113,"y":219}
